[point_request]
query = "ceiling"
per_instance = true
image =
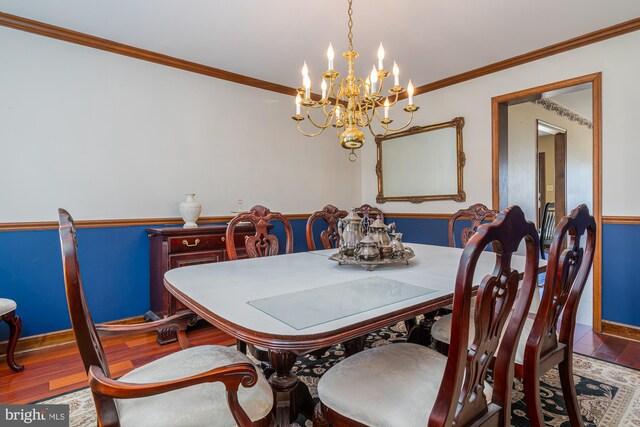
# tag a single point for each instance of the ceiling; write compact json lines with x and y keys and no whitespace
{"x":269,"y":40}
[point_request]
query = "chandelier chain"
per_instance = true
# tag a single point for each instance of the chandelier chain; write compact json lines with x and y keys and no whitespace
{"x":350,"y":35}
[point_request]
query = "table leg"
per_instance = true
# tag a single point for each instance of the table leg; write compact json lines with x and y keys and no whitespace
{"x":354,"y":346}
{"x":283,"y":383}
{"x":421,"y":333}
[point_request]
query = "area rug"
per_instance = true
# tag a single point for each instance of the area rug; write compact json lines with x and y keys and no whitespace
{"x":608,"y":394}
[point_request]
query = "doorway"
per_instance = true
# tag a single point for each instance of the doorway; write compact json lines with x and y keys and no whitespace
{"x":551,"y":143}
{"x":516,"y":161}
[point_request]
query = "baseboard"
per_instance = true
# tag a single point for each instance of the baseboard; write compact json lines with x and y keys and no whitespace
{"x":621,"y":330}
{"x":56,"y":338}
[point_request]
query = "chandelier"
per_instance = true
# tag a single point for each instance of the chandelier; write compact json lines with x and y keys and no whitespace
{"x":352,"y":103}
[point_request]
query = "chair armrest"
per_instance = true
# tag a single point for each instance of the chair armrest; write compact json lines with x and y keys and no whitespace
{"x":231,"y":375}
{"x":178,"y":322}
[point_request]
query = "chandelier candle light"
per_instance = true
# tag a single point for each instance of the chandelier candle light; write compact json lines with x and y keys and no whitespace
{"x":355,"y":102}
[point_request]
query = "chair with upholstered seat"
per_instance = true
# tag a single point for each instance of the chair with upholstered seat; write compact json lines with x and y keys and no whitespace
{"x":368,"y":214}
{"x":8,"y":315}
{"x":203,"y":385}
{"x":477,"y":214}
{"x":541,"y":345}
{"x":261,"y":243}
{"x":329,"y":237}
{"x":411,"y":385}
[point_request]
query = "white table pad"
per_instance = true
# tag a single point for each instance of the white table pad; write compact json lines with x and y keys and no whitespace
{"x":225,"y":288}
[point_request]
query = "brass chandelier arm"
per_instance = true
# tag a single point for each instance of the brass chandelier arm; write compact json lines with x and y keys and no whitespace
{"x":310,"y":134}
{"x":373,"y":132}
{"x":369,"y":119}
{"x":332,"y":88}
{"x":326,"y":124}
{"x":396,"y":96}
{"x":388,"y":128}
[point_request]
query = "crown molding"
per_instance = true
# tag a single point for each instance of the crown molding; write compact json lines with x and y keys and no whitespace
{"x":574,"y":43}
{"x":47,"y":30}
{"x":59,"y":33}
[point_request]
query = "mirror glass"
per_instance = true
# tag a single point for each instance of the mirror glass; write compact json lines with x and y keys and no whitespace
{"x":421,"y":164}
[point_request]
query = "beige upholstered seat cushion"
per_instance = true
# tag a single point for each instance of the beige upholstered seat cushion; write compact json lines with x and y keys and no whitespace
{"x":391,"y":385}
{"x":7,"y":305}
{"x":204,"y":404}
{"x":441,"y":331}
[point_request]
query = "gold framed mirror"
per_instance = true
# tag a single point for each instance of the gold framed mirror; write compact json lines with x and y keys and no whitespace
{"x":421,"y":164}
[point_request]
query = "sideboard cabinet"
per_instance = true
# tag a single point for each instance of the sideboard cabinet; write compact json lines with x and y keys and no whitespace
{"x":175,"y":247}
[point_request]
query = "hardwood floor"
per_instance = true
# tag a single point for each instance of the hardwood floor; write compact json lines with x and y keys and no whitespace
{"x":606,"y":347}
{"x":56,"y":370}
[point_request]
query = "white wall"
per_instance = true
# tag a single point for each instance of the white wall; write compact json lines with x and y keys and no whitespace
{"x":108,"y":136}
{"x":619,"y":63}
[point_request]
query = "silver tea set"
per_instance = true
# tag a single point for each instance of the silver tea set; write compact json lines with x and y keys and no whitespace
{"x":369,"y":242}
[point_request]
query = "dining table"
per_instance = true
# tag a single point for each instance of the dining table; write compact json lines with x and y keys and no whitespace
{"x":295,"y":303}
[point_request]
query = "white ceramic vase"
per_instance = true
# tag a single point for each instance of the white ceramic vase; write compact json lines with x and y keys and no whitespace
{"x":190,"y":211}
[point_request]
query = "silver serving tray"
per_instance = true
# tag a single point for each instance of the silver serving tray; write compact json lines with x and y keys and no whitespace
{"x":370,"y":265}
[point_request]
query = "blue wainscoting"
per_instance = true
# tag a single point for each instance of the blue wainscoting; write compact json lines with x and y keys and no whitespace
{"x":620,"y":273}
{"x":115,"y":270}
{"x":423,"y":230}
{"x":114,"y":264}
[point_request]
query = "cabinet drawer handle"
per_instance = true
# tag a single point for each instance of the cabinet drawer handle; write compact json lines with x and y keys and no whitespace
{"x":222,"y":238}
{"x":197,"y":241}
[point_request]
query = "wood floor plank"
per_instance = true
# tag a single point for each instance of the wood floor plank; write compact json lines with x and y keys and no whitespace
{"x":68,"y":380}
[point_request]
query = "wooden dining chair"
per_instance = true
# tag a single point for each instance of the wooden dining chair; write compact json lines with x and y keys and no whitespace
{"x":369,"y":214}
{"x":547,"y":227}
{"x":8,"y":315}
{"x":477,"y":214}
{"x":329,"y":237}
{"x":203,"y":385}
{"x":411,"y":385}
{"x":542,"y":346}
{"x":261,"y":243}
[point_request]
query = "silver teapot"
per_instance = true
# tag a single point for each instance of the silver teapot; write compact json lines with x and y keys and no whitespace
{"x":397,"y":246}
{"x":378,"y":230}
{"x":367,"y":249}
{"x":350,"y":232}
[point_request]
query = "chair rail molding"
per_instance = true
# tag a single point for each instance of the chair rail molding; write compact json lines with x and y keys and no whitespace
{"x":110,"y":223}
{"x":633,"y":220}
